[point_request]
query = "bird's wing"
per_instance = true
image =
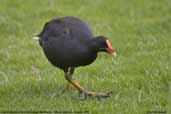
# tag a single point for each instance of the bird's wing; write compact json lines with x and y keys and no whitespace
{"x":69,"y":28}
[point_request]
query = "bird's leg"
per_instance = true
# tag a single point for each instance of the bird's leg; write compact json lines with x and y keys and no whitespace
{"x":66,"y":87}
{"x":84,"y":91}
{"x":71,"y":69}
{"x":68,"y":77}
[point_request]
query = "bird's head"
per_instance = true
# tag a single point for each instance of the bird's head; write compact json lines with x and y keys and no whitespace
{"x":102,"y":44}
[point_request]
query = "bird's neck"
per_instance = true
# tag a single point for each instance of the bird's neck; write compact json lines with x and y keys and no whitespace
{"x":93,"y":45}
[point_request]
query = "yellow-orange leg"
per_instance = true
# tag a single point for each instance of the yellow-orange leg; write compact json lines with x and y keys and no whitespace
{"x":66,"y":87}
{"x":85,"y":92}
{"x":71,"y":69}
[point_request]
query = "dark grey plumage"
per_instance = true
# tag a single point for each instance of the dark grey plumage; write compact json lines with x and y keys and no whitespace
{"x":68,"y":42}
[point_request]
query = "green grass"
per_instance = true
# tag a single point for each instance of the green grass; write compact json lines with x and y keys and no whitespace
{"x":140,"y":77}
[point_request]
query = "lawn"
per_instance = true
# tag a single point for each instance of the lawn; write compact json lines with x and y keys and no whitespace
{"x":140,"y":76}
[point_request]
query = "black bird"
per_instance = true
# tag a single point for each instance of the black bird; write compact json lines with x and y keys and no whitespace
{"x":68,"y":43}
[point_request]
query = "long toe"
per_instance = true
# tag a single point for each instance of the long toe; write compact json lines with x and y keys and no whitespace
{"x":103,"y":95}
{"x":97,"y":95}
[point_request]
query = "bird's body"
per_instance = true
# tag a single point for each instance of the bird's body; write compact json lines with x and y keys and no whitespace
{"x":68,"y":43}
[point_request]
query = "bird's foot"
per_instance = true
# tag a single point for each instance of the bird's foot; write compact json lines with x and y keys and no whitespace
{"x":96,"y":94}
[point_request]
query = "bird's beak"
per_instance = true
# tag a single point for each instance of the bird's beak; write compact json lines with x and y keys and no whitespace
{"x":36,"y":38}
{"x":114,"y":54}
{"x":109,"y":49}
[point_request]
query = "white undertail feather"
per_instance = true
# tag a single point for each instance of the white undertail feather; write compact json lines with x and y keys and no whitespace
{"x":36,"y":38}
